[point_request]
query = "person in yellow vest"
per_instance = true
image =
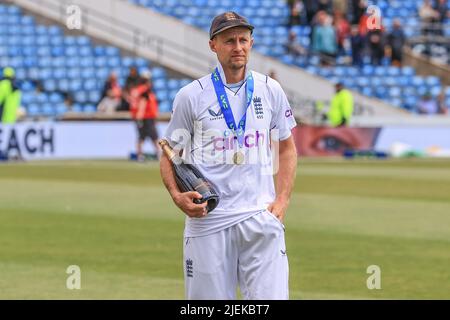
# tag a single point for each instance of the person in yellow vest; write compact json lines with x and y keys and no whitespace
{"x":10,"y":97}
{"x":341,"y":108}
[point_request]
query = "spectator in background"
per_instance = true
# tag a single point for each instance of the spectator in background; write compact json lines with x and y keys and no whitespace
{"x":341,"y":108}
{"x":442,"y":107}
{"x":376,"y":44}
{"x":357,"y":43}
{"x":311,"y":8}
{"x":296,"y":12}
{"x":131,"y":82}
{"x":359,"y":10}
{"x":133,"y":79}
{"x":293,"y":47}
{"x":428,"y":17}
{"x":363,"y":28}
{"x":144,"y":110}
{"x":427,"y":105}
{"x":443,"y":13}
{"x":325,"y":5}
{"x":111,"y":95}
{"x":342,"y":30}
{"x":396,"y":40}
{"x":341,"y":6}
{"x":324,"y":39}
{"x":10,"y":97}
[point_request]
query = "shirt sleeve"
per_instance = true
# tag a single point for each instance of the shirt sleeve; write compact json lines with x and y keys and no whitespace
{"x":282,"y":118}
{"x":180,"y":129}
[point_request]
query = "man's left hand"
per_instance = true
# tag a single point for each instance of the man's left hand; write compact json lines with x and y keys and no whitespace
{"x":278,"y":208}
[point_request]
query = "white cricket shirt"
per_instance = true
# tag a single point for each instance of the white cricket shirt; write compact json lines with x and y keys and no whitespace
{"x":198,"y":127}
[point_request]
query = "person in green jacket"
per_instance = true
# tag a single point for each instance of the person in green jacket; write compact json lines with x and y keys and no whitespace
{"x":341,"y":108}
{"x":10,"y":97}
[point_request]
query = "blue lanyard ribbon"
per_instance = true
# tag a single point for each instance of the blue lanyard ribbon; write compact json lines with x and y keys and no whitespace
{"x":225,"y":106}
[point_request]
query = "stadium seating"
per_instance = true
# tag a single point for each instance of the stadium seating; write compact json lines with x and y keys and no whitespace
{"x":400,"y":87}
{"x":50,"y":65}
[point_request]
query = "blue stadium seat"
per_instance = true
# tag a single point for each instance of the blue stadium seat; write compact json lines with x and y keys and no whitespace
{"x":418,"y":81}
{"x":435,"y":90}
{"x":63,"y":85}
{"x":28,"y":41}
{"x":57,"y":51}
{"x":395,"y":92}
{"x":83,"y":41}
{"x":48,"y":109}
{"x":162,"y":95}
{"x":49,"y":85}
{"x":94,"y":96}
{"x":172,"y":84}
{"x":26,"y":85}
{"x":75,"y":85}
{"x":287,"y":59}
{"x":55,"y":98}
{"x":88,"y":73}
{"x":85,"y":51}
{"x":165,"y":106}
{"x":408,"y":71}
{"x":33,"y":109}
{"x":127,"y":62}
{"x":81,"y":97}
{"x":72,"y":62}
{"x":60,"y":108}
{"x":74,"y":73}
{"x":76,"y":108}
{"x":44,"y":73}
{"x":91,"y":84}
{"x":87,"y":62}
{"x":99,"y":51}
{"x":172,"y":94}
{"x":102,"y":73}
{"x":112,"y":51}
{"x":89,"y":108}
{"x":27,"y":98}
{"x":100,"y":61}
{"x":396,"y":102}
{"x":409,"y":91}
{"x":185,"y":82}
{"x":114,"y":62}
{"x":41,"y":98}
{"x":30,"y":61}
{"x":432,"y":81}
{"x":158,"y":73}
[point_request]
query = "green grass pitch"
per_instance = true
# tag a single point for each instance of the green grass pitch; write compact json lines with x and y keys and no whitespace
{"x":115,"y":220}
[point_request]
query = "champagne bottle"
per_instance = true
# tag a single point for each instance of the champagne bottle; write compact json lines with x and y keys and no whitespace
{"x":189,"y":178}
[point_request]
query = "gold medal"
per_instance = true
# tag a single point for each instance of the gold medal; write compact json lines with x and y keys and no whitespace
{"x":238,"y":158}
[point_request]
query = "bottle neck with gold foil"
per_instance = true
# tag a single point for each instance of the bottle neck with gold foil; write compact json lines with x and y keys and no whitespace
{"x":170,"y":153}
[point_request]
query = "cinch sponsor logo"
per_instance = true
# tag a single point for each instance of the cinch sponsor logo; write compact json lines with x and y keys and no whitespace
{"x":251,"y":140}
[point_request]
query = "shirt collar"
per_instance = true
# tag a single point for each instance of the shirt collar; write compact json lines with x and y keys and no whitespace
{"x":222,"y":73}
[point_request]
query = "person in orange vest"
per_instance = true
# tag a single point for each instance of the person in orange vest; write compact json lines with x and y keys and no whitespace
{"x":144,"y":111}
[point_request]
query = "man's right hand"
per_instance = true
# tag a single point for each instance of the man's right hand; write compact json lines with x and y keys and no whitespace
{"x":185,"y":201}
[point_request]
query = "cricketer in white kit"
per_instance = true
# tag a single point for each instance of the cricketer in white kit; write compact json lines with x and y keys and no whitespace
{"x":228,"y":124}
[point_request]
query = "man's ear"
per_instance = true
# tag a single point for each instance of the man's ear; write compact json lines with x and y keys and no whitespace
{"x":212,"y":45}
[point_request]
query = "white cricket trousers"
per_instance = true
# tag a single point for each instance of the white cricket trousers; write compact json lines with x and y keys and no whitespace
{"x":251,"y":253}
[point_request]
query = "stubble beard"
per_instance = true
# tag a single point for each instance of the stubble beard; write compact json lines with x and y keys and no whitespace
{"x":237,"y":65}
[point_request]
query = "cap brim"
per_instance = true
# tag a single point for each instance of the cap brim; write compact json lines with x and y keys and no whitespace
{"x":248,"y":26}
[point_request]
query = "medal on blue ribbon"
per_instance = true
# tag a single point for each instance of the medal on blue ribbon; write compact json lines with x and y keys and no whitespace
{"x":222,"y":98}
